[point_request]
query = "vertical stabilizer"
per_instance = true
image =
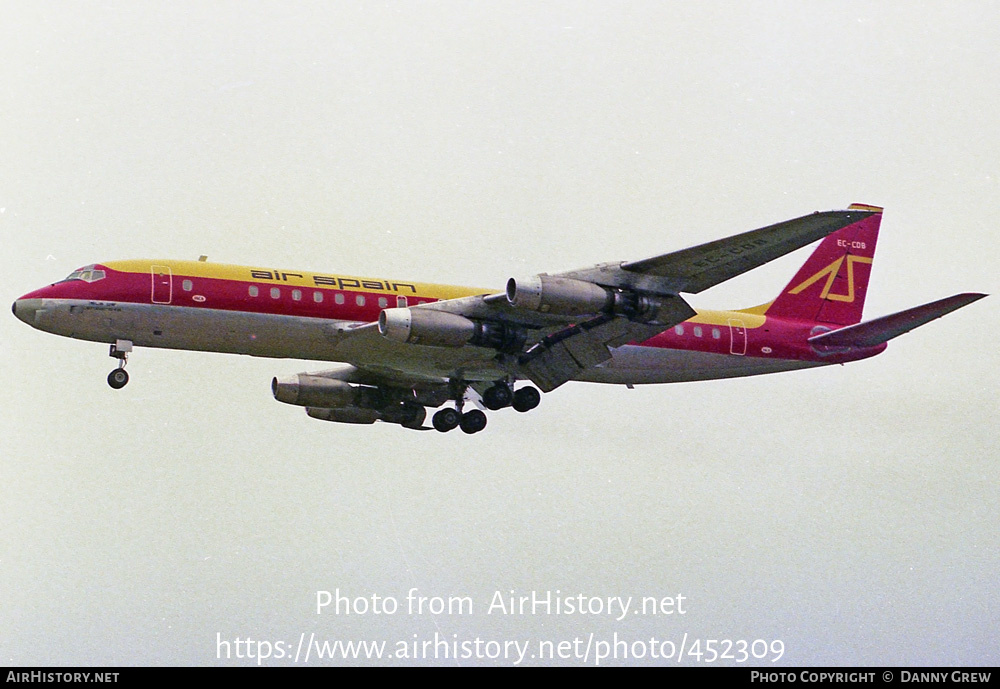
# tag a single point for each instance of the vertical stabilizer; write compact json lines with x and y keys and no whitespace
{"x":831,"y":286}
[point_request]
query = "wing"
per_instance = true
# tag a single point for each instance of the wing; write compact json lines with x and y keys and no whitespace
{"x":549,"y":328}
{"x":698,"y":268}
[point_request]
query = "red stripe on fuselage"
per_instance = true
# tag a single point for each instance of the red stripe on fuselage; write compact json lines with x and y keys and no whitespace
{"x":777,"y":338}
{"x":229,"y":295}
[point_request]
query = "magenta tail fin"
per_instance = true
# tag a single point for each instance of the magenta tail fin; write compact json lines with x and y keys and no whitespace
{"x":832,"y":284}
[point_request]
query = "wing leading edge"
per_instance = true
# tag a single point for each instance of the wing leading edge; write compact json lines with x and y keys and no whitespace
{"x":700,"y":267}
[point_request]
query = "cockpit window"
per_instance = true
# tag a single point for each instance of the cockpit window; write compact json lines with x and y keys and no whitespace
{"x":87,"y":274}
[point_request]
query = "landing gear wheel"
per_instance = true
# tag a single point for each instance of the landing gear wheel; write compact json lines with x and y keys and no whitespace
{"x":416,"y":415}
{"x":526,"y":399}
{"x":473,"y":421}
{"x":446,"y":420}
{"x":118,"y":378}
{"x":119,"y":350}
{"x":498,"y":397}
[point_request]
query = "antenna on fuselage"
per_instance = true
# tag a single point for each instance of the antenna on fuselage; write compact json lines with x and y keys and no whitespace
{"x":202,"y":258}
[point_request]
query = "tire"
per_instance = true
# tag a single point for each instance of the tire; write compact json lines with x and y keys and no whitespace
{"x":416,"y":414}
{"x":118,"y":378}
{"x":497,"y":397}
{"x":473,"y":421}
{"x":446,"y":420}
{"x":526,"y":399}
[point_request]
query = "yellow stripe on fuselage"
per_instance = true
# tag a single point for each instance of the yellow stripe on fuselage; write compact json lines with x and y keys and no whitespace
{"x":297,"y":278}
{"x":352,"y":283}
{"x":723,"y":318}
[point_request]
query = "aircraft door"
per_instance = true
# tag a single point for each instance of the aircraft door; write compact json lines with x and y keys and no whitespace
{"x":737,"y":337}
{"x":163,"y":287}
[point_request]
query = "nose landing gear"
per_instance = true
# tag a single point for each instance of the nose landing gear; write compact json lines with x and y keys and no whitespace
{"x":119,"y":350}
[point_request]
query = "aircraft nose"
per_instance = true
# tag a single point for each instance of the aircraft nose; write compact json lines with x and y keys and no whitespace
{"x":25,"y":309}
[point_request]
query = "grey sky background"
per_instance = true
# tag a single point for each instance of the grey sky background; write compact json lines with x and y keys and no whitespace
{"x":850,"y":512}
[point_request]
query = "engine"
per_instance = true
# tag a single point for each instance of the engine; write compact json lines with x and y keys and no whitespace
{"x":406,"y":415}
{"x":344,"y":415}
{"x":427,"y":327}
{"x":561,"y":296}
{"x":569,"y":297}
{"x":330,"y":399}
{"x":316,"y":391}
{"x":442,"y":329}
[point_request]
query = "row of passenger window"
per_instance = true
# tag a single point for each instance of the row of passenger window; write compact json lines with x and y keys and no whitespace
{"x":338,"y":297}
{"x":716,"y":333}
{"x":317,"y":296}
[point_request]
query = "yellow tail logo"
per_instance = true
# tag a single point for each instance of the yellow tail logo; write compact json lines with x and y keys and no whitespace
{"x":831,"y":274}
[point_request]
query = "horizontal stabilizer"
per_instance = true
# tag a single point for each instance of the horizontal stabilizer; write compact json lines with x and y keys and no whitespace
{"x":873,"y":333}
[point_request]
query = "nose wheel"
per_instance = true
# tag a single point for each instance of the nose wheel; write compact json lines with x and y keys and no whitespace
{"x":119,"y":350}
{"x":118,"y":378}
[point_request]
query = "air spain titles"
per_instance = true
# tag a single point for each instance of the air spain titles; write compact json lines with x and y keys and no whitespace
{"x":345,"y":283}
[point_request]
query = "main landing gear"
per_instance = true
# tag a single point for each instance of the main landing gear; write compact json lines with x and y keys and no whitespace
{"x":497,"y":396}
{"x":526,"y":399}
{"x":448,"y":419}
{"x":119,"y":350}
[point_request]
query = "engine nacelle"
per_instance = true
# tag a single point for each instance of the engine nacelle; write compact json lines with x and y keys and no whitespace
{"x":561,"y":296}
{"x":315,"y":391}
{"x":344,"y":415}
{"x":406,"y":415}
{"x":569,"y":297}
{"x":426,"y":327}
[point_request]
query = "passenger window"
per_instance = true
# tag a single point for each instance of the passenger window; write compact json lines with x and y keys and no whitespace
{"x":187,"y":285}
{"x":679,"y":329}
{"x":697,"y":331}
{"x":275,"y":293}
{"x":339,"y":297}
{"x":297,"y":294}
{"x":317,"y":297}
{"x":253,"y":290}
{"x":360,"y":300}
{"x":716,"y":334}
{"x":383,"y":302}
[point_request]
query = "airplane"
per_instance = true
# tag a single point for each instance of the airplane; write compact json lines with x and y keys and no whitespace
{"x":403,"y":347}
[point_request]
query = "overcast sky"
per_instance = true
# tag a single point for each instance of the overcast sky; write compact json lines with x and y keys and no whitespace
{"x":850,"y":512}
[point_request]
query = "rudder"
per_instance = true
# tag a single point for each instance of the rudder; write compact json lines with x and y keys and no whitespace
{"x":832,"y":284}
